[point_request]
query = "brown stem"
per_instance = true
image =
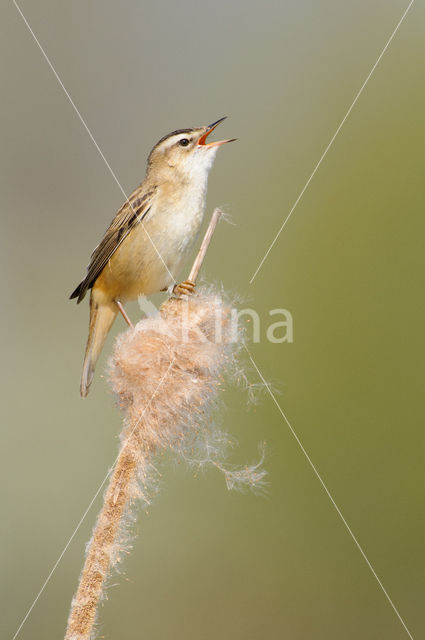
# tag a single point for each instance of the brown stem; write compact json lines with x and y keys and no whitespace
{"x":217,"y":213}
{"x":102,"y":545}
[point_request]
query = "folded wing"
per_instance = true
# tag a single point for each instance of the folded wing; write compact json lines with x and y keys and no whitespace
{"x":131,"y":214}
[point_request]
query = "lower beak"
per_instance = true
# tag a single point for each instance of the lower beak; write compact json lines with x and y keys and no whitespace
{"x":218,"y":143}
{"x":202,"y":140}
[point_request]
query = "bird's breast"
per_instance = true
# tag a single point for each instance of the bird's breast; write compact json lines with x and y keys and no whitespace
{"x":175,"y":223}
{"x":180,"y":216}
{"x":154,"y":252}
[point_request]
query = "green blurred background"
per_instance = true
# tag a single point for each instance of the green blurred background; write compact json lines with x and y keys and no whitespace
{"x":209,"y":563}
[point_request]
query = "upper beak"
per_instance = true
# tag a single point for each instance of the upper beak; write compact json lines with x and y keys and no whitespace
{"x":202,"y":140}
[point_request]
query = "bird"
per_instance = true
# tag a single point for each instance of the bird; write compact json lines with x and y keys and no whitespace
{"x":150,"y":236}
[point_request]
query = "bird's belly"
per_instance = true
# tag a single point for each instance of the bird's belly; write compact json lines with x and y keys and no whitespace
{"x":151,"y":256}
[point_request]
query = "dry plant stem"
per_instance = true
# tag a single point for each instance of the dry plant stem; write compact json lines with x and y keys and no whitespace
{"x":101,"y":548}
{"x":217,"y":213}
{"x":98,"y":560}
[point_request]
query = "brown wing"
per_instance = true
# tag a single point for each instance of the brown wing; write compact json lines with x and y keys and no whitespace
{"x":131,"y":213}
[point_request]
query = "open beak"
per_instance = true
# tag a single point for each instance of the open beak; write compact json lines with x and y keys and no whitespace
{"x":203,"y":139}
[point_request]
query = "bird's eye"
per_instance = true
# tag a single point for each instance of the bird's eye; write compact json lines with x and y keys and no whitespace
{"x":183,"y":142}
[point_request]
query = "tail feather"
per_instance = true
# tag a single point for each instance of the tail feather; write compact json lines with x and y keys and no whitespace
{"x":102,"y":317}
{"x":80,"y":291}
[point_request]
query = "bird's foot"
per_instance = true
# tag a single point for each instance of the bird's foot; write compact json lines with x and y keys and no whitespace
{"x":185,"y":288}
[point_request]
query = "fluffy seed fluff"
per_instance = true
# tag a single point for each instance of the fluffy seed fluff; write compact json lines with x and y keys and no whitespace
{"x":167,"y":374}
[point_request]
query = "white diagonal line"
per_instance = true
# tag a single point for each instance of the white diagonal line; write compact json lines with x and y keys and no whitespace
{"x":83,"y":122}
{"x":341,"y":124}
{"x":45,"y":583}
{"x":328,"y":493}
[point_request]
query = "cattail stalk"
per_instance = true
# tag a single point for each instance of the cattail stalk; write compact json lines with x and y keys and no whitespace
{"x":98,"y":560}
{"x":166,"y":373}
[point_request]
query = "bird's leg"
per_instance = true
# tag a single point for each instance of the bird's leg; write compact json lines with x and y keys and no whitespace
{"x":185,"y":288}
{"x":124,"y":314}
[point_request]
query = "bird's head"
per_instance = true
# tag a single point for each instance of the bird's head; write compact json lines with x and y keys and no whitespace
{"x":185,"y":153}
